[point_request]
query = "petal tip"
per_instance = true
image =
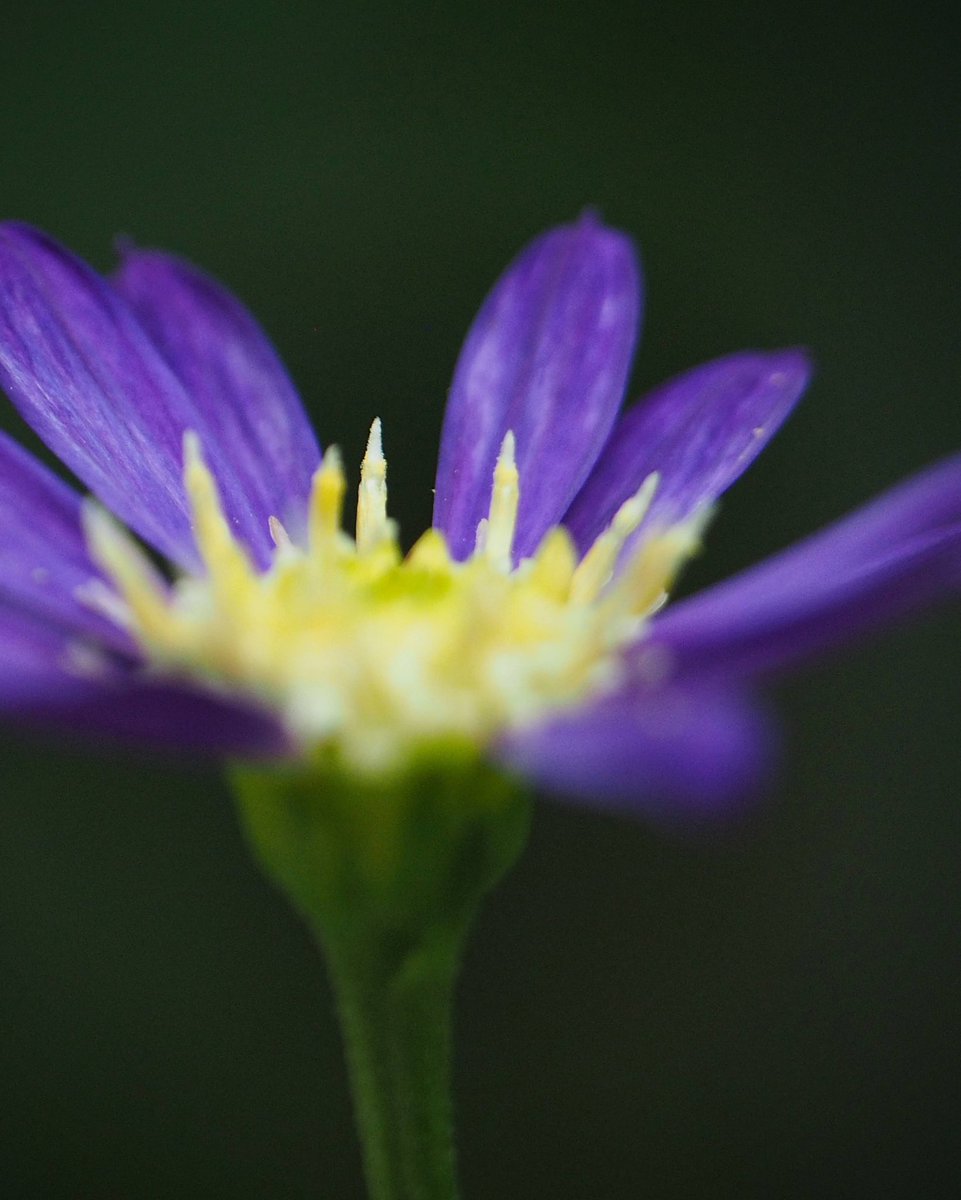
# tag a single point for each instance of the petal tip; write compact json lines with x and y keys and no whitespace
{"x":794,"y":364}
{"x":589,"y":236}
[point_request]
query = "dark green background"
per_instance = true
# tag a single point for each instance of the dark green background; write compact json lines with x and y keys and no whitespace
{"x":768,"y":1011}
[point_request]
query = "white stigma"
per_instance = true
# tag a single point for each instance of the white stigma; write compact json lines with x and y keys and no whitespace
{"x":372,"y":493}
{"x":502,"y":517}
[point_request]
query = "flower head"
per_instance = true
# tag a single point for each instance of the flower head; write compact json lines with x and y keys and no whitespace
{"x":527,"y":625}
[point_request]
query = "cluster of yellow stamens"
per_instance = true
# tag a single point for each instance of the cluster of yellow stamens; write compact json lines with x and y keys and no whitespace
{"x":357,"y":645}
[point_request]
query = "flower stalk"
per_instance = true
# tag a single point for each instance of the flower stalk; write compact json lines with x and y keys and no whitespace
{"x":396,"y":1023}
{"x":389,"y":874}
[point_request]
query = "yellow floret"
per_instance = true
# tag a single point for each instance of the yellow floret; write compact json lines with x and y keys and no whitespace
{"x":377,"y":654}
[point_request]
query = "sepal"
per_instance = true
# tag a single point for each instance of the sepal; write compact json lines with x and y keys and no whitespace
{"x":402,"y":858}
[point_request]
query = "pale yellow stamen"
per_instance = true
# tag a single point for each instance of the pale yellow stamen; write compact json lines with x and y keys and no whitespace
{"x":480,"y":537}
{"x":141,"y":588}
{"x":278,"y":535}
{"x":327,"y":502}
{"x":354,"y":646}
{"x":643,"y":585}
{"x":229,"y":568}
{"x":502,"y":517}
{"x":553,"y":568}
{"x":597,"y":567}
{"x":372,"y":493}
{"x":430,"y":552}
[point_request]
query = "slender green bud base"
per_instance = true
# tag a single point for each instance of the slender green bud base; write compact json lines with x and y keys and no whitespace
{"x":389,"y":874}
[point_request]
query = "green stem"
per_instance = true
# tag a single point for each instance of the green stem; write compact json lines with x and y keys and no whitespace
{"x":389,"y":874}
{"x":397,"y":1032}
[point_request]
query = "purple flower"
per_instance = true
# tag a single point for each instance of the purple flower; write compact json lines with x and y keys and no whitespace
{"x":527,"y":625}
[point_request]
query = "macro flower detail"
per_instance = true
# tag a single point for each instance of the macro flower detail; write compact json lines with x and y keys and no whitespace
{"x":527,"y":626}
{"x":379,"y":653}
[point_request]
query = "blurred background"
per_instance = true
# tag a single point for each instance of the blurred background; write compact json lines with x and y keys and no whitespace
{"x":770,"y":1010}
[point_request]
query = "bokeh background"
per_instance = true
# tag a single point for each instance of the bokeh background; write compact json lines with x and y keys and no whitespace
{"x":768,"y":1010}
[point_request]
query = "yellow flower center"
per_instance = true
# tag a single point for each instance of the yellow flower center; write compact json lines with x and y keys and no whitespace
{"x":358,"y":646}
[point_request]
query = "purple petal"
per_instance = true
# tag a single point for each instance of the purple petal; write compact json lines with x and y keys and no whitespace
{"x":665,"y":752}
{"x":699,"y":431}
{"x":169,"y":718}
{"x":547,"y":357}
{"x":223,"y":359}
{"x":84,"y":373}
{"x":897,"y":554}
{"x":43,"y":555}
{"x":33,"y":655}
{"x":51,"y":681}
